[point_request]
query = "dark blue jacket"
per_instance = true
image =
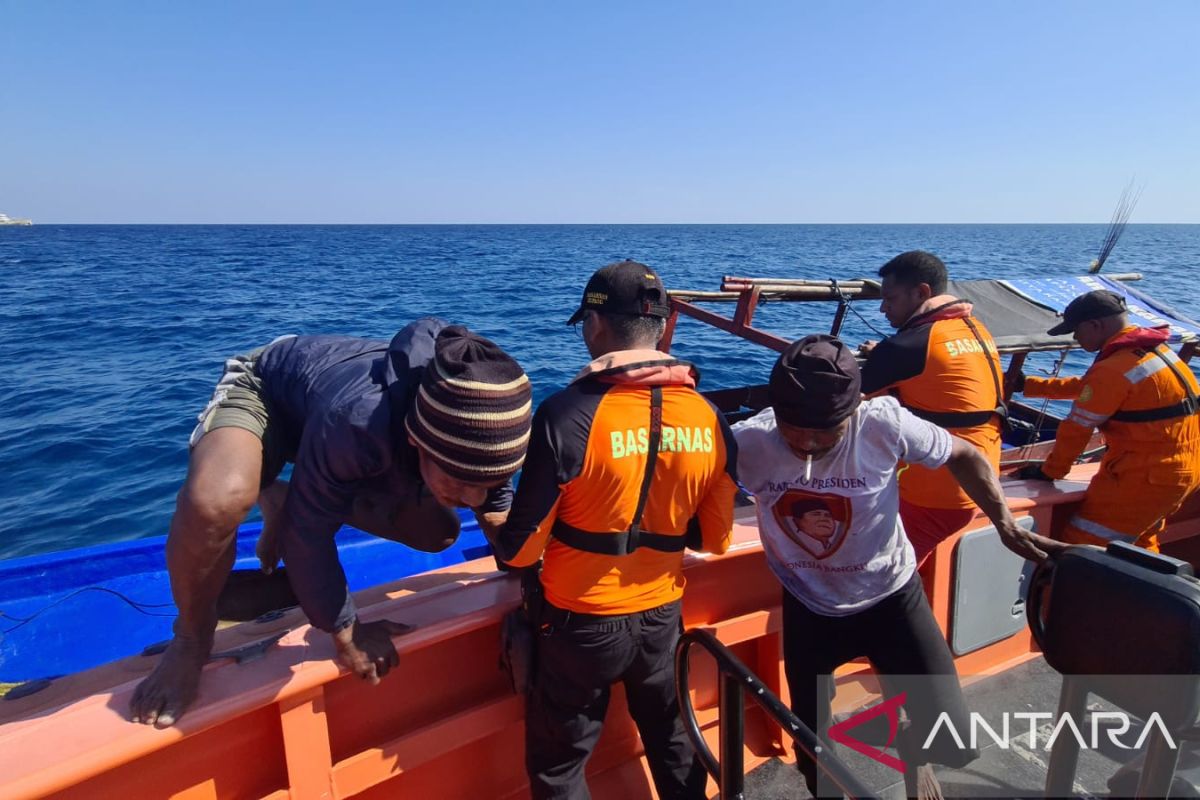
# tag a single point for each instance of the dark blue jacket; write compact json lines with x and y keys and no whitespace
{"x":339,"y":403}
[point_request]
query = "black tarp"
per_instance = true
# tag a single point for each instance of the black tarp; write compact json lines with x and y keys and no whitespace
{"x":1015,"y":322}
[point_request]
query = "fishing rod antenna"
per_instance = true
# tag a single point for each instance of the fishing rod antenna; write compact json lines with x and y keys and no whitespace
{"x":1116,"y":226}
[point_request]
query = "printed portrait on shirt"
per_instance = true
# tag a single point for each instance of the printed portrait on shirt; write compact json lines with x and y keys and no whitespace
{"x":817,"y":522}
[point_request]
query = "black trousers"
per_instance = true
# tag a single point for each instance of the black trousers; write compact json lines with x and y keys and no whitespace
{"x":579,"y":658}
{"x":901,"y":639}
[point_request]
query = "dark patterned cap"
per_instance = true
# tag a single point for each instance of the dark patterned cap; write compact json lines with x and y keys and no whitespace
{"x":473,"y":409}
{"x":815,"y":383}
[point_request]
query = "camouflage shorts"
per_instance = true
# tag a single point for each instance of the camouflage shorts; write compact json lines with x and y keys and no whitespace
{"x":238,"y":402}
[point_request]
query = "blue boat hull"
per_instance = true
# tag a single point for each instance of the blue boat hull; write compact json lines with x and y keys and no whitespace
{"x":65,"y":612}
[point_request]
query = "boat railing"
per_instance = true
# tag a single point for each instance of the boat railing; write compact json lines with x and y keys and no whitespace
{"x":748,"y":292}
{"x":800,"y":289}
{"x":735,"y":681}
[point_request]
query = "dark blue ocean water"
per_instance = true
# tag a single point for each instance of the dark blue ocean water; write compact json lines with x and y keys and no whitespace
{"x":111,"y":337}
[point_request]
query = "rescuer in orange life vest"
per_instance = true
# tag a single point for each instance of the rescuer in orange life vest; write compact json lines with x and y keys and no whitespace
{"x":941,"y":365}
{"x":1144,"y":400}
{"x":627,"y":465}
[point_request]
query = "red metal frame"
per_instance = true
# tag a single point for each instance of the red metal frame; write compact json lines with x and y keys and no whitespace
{"x":747,"y":304}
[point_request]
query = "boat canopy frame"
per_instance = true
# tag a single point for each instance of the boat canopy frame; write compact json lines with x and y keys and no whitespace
{"x":1009,"y":309}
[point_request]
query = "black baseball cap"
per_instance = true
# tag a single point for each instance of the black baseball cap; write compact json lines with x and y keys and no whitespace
{"x":1097,"y":304}
{"x":625,"y":287}
{"x":815,"y":383}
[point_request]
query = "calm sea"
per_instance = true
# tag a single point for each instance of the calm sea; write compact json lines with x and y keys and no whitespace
{"x":111,"y":337}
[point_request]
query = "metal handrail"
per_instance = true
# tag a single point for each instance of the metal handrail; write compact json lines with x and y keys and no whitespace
{"x":735,"y":680}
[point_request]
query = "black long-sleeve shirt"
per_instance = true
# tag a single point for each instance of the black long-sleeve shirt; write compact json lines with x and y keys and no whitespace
{"x":339,"y":404}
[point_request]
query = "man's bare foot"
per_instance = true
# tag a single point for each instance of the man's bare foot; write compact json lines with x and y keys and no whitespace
{"x":162,"y":697}
{"x":928,"y":787}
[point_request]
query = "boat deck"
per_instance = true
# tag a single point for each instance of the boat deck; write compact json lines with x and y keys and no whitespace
{"x":1016,"y":771}
{"x":444,"y":723}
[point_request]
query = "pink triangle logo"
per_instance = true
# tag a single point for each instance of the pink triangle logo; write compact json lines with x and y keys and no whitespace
{"x":891,"y":708}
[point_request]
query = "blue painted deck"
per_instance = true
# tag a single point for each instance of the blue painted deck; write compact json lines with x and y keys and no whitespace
{"x":65,"y":612}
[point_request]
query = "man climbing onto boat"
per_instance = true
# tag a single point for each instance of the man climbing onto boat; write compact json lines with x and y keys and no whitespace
{"x":388,"y":437}
{"x":1144,"y":400}
{"x":859,"y":596}
{"x":941,"y":365}
{"x":626,"y":465}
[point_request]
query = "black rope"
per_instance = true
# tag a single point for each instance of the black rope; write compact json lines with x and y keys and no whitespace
{"x":848,"y":302}
{"x":1023,"y":455}
{"x":135,"y":605}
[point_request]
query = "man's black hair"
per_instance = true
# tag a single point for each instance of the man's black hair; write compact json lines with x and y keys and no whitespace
{"x":917,"y":267}
{"x":807,"y":504}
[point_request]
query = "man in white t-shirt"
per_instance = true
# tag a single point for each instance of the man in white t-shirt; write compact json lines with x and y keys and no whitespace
{"x":821,"y":464}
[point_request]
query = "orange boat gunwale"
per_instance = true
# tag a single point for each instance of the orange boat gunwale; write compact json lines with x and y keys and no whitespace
{"x":291,"y":724}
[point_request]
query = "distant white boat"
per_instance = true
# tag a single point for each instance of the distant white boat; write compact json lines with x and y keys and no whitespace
{"x":5,"y":219}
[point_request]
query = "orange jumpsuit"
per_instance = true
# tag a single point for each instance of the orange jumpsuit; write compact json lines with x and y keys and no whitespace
{"x":1134,"y":393}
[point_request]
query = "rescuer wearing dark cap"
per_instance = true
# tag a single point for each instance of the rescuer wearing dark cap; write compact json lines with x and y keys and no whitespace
{"x":1144,"y":400}
{"x":627,"y":466}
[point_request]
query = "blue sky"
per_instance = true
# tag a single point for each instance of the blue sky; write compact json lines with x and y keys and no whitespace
{"x":598,"y":112}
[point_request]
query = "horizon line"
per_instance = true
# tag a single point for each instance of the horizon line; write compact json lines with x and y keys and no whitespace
{"x":561,"y":224}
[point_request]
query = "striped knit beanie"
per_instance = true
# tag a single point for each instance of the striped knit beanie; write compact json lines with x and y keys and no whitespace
{"x":472,"y":411}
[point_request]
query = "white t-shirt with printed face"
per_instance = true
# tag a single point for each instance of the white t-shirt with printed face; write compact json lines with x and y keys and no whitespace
{"x":836,"y":541}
